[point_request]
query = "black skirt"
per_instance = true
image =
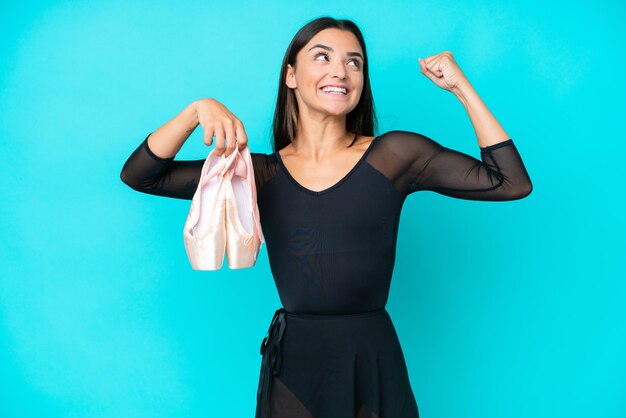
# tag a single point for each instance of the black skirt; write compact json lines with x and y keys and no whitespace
{"x":333,"y":366}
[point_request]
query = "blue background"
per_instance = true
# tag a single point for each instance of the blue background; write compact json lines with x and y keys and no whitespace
{"x":504,"y":309}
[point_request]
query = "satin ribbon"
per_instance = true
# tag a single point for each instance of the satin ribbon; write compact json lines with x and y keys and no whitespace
{"x":272,"y":359}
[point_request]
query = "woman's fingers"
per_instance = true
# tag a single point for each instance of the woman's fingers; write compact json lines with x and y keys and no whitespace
{"x":219,"y":139}
{"x":242,"y":138}
{"x":229,"y":131}
{"x":208,"y":134}
{"x":428,"y":73}
{"x":443,"y":70}
{"x":218,"y":122}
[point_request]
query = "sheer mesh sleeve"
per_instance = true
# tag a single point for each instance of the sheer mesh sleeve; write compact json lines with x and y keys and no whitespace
{"x":414,"y":162}
{"x":148,"y":173}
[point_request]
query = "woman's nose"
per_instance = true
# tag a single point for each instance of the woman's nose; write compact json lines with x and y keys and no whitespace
{"x":339,"y":70}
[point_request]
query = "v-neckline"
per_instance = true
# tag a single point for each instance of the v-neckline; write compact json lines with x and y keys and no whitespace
{"x":334,"y":186}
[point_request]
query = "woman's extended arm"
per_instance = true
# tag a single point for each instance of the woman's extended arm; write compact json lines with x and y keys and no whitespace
{"x":146,"y":172}
{"x":167,"y":140}
{"x":151,"y":167}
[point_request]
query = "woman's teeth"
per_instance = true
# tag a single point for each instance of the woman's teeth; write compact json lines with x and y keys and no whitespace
{"x":335,"y":90}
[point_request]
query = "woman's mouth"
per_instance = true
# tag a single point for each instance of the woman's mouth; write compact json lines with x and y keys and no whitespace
{"x":335,"y":91}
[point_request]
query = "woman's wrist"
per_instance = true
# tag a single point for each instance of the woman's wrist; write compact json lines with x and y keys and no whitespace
{"x":167,"y":140}
{"x":192,"y":109}
{"x":462,"y":91}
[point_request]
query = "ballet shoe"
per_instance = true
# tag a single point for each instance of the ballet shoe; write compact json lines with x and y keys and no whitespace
{"x":204,"y":232}
{"x":244,"y":234}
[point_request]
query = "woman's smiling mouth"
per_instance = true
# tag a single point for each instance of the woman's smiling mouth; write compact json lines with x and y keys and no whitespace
{"x":335,"y":90}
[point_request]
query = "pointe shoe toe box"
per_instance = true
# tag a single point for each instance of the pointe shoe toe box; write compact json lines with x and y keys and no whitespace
{"x":204,"y":233}
{"x":243,"y":227}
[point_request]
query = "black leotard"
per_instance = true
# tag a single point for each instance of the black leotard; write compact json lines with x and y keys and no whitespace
{"x":333,"y":251}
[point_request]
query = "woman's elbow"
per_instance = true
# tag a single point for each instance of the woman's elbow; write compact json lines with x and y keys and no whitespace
{"x":129,"y":180}
{"x":124,"y":177}
{"x":522,"y":191}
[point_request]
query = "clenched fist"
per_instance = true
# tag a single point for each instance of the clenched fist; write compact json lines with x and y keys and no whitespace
{"x":443,"y":70}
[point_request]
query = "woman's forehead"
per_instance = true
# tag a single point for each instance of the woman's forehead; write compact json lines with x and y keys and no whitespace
{"x":335,"y":39}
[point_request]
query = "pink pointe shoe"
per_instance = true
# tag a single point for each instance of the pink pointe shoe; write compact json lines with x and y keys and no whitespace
{"x":244,"y":235}
{"x":204,"y":232}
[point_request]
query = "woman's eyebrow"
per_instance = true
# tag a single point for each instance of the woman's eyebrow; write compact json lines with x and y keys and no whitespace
{"x":350,"y":54}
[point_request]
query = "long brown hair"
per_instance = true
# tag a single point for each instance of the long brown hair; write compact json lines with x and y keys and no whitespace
{"x":360,"y":121}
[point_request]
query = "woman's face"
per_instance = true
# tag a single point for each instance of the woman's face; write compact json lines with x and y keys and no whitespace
{"x":332,"y":57}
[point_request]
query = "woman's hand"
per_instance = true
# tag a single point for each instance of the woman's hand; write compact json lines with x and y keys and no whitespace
{"x":217,"y":121}
{"x":443,"y":71}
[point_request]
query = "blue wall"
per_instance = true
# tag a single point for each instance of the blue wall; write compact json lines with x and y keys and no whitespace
{"x":100,"y":312}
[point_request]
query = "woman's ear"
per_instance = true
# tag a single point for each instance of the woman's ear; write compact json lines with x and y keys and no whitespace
{"x":290,"y":77}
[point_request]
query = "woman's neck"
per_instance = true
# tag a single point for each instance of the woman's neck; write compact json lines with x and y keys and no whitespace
{"x":318,"y":140}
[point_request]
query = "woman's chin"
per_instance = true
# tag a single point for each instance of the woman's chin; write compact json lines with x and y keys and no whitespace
{"x":338,"y":108}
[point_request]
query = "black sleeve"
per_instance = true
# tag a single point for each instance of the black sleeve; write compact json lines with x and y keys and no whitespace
{"x":501,"y":175}
{"x":148,"y":173}
{"x":420,"y":163}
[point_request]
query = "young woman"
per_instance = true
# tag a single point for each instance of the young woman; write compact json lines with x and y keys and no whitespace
{"x":330,"y":197}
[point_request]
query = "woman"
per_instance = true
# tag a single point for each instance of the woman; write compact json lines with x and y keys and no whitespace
{"x":330,"y":198}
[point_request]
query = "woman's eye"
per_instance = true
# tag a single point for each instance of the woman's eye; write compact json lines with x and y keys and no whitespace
{"x":358,"y":64}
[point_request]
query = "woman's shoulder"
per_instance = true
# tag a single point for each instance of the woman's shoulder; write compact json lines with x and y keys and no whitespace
{"x":261,"y":158}
{"x":363,"y":142}
{"x":403,"y":145}
{"x":404,"y":138}
{"x":401,"y":134}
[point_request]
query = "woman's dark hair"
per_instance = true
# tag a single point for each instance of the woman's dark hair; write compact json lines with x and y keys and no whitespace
{"x":360,"y":121}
